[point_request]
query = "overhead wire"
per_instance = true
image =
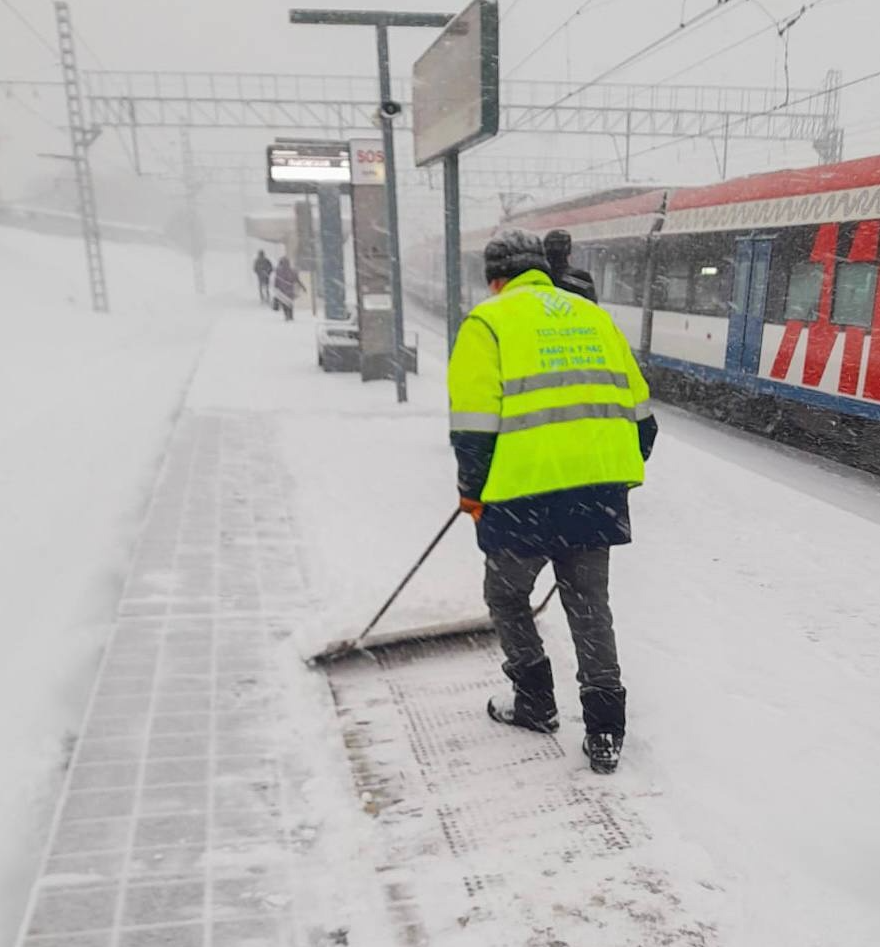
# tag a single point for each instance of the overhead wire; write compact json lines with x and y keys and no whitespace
{"x":15,"y":97}
{"x":783,"y":24}
{"x":715,"y":128}
{"x":81,"y":39}
{"x":29,"y":26}
{"x":720,"y":7}
{"x":509,"y":11}
{"x":537,"y":49}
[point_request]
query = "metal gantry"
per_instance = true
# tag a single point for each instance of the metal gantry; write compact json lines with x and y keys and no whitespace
{"x":349,"y":103}
{"x":81,"y":138}
{"x":346,"y":106}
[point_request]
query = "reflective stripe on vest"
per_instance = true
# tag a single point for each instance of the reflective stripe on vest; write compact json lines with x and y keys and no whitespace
{"x":585,"y":376}
{"x":573,"y":412}
{"x":474,"y":421}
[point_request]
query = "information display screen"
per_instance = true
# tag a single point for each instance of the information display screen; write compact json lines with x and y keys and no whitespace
{"x":298,"y":167}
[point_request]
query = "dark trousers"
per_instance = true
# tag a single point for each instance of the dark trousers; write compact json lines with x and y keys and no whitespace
{"x":583,"y":583}
{"x":263,"y":294}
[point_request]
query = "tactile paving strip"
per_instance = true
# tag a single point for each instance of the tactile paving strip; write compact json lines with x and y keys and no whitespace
{"x":174,"y":826}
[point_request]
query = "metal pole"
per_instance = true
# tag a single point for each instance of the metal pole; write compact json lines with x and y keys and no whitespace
{"x":80,"y":141}
{"x":725,"y":145}
{"x":384,"y":82}
{"x":451,"y":210}
{"x":195,"y":232}
{"x":244,"y":209}
{"x":648,"y":282}
{"x":628,"y":146}
{"x":329,"y":199}
{"x":133,"y":124}
{"x":313,"y":251}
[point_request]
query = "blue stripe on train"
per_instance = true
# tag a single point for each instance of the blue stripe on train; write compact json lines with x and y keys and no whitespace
{"x":766,"y":386}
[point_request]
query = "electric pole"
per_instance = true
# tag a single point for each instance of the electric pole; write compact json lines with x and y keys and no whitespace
{"x":195,"y":231}
{"x":81,"y":139}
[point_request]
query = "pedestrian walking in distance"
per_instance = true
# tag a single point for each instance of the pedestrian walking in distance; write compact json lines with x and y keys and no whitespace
{"x":551,"y":425}
{"x":262,"y":269}
{"x":558,"y":247}
{"x":285,"y":282}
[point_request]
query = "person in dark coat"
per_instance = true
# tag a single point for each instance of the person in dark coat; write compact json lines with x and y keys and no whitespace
{"x":284,"y":287}
{"x":558,"y":246}
{"x":262,"y":269}
{"x":285,"y":282}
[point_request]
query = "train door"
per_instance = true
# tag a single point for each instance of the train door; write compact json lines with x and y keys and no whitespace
{"x":747,"y":307}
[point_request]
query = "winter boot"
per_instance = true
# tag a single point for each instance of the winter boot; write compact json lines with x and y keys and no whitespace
{"x":604,"y":716}
{"x":531,"y":704}
{"x":603,"y":750}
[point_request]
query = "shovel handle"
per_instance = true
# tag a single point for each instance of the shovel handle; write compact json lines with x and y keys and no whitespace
{"x":544,"y":602}
{"x":418,"y":564}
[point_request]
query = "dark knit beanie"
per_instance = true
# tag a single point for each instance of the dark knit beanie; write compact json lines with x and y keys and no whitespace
{"x":512,"y":252}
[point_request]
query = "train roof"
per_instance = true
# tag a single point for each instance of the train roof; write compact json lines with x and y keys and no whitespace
{"x":831,"y":193}
{"x":862,"y":172}
{"x":625,"y":217}
{"x":849,"y":190}
{"x":587,"y":200}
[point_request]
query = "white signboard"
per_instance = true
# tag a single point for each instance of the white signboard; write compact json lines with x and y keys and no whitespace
{"x":455,"y":85}
{"x":367,"y":161}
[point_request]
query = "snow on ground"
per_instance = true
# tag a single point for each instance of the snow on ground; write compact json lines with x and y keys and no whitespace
{"x":86,"y":404}
{"x":746,"y":609}
{"x":746,"y":613}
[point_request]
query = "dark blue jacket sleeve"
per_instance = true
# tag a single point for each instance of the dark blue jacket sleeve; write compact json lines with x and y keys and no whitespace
{"x":473,"y":452}
{"x":647,"y":429}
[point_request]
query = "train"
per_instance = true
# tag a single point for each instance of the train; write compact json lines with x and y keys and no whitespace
{"x":762,"y":295}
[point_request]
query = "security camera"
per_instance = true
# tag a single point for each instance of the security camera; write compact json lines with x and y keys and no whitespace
{"x":390,"y":109}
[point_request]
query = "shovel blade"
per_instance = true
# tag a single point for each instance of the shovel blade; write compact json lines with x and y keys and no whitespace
{"x":347,"y":647}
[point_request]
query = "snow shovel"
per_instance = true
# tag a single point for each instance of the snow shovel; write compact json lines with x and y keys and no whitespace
{"x":340,"y":649}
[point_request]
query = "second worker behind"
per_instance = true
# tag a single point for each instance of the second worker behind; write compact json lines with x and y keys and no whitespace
{"x":558,"y":246}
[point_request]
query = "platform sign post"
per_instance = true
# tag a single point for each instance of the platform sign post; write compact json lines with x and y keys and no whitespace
{"x":382,"y":21}
{"x":331,"y":252}
{"x":372,"y":253}
{"x":455,"y":102}
{"x":309,"y":166}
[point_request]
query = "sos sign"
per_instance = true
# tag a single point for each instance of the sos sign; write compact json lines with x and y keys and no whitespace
{"x":367,"y":161}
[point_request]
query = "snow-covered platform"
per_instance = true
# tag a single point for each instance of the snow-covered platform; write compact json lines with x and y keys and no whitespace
{"x":180,"y":821}
{"x":222,"y":794}
{"x":491,"y":836}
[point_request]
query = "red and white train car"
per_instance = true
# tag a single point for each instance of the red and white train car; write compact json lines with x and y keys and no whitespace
{"x":763,"y":294}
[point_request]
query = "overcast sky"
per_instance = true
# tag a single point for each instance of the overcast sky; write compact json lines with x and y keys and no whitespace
{"x":254,"y":35}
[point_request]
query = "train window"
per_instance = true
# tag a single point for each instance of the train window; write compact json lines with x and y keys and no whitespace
{"x":618,"y":277}
{"x":596,"y":262}
{"x":854,"y":298}
{"x":804,"y":290}
{"x":675,"y":286}
{"x":625,"y":286}
{"x":607,"y":284}
{"x":707,"y":279}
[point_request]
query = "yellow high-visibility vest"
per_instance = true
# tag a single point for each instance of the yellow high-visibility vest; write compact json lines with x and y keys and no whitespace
{"x":550,"y":373}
